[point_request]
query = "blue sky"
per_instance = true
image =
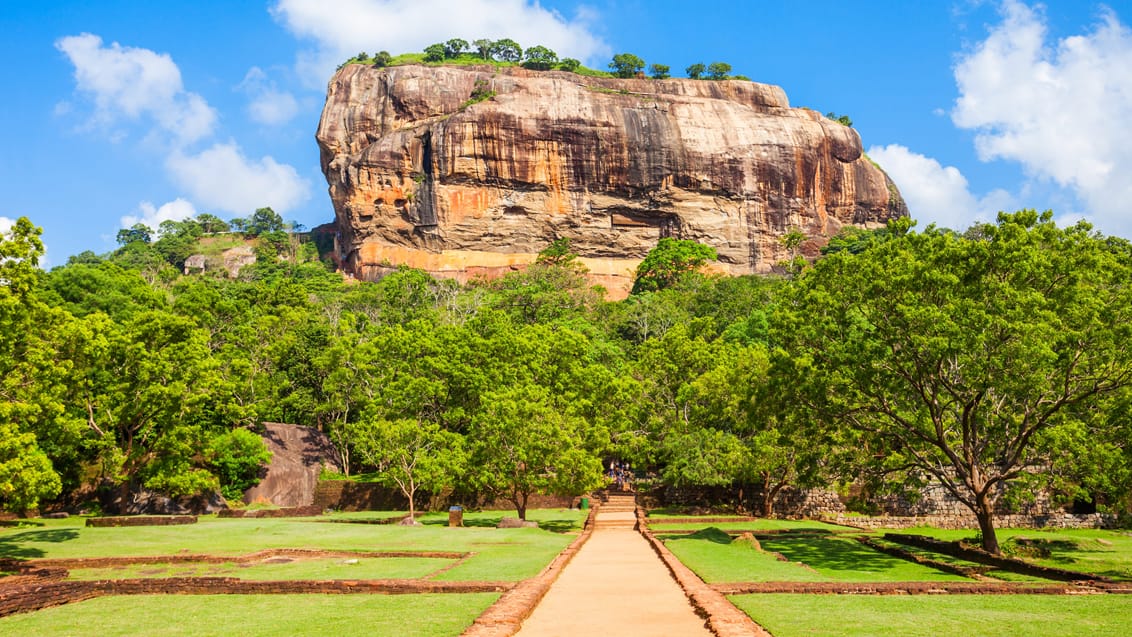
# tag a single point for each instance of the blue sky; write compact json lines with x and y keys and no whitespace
{"x":120,"y":111}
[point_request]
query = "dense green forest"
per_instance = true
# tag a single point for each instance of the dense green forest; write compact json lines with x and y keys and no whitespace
{"x":998,"y":356}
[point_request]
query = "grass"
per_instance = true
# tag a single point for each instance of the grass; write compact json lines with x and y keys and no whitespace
{"x":845,"y":559}
{"x":1005,"y":576}
{"x":1096,"y":551}
{"x":716,"y":558}
{"x":501,"y":554}
{"x":918,"y":615}
{"x":299,"y":569}
{"x":427,"y":615}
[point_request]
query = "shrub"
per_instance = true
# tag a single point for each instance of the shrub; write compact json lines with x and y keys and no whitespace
{"x":434,"y":53}
{"x":236,"y":458}
{"x":626,"y":65}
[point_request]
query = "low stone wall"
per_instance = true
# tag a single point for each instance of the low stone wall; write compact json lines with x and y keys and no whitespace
{"x":1052,"y":521}
{"x":934,"y":502}
{"x":142,"y":520}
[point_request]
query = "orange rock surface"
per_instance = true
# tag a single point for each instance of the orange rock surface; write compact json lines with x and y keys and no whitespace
{"x":423,"y":175}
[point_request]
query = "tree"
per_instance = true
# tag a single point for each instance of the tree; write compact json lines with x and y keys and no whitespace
{"x":141,"y":387}
{"x":26,"y":474}
{"x":139,"y":233}
{"x":539,"y":58}
{"x":263,"y":221}
{"x":855,"y":240}
{"x":454,"y":47}
{"x":382,"y":59}
{"x":718,"y":70}
{"x":236,"y":458}
{"x":569,"y":64}
{"x":177,"y":240}
{"x":963,"y":359}
{"x":552,"y":288}
{"x":792,"y":241}
{"x":506,"y":50}
{"x":660,"y":71}
{"x":31,"y":377}
{"x":410,"y":454}
{"x":483,"y":47}
{"x":840,"y":119}
{"x":211,"y":224}
{"x":434,"y":53}
{"x":362,"y":57}
{"x":670,"y":260}
{"x":525,"y":444}
{"x":696,"y":70}
{"x":626,"y":65}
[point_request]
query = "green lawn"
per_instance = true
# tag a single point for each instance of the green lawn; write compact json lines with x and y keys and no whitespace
{"x":1096,"y":551}
{"x":501,"y":554}
{"x":318,"y":569}
{"x":427,"y":615}
{"x":919,"y":615}
{"x":812,"y":558}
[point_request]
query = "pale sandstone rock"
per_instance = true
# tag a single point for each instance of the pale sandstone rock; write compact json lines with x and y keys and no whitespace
{"x":420,"y":177}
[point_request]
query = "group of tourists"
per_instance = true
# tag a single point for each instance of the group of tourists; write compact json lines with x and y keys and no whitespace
{"x":621,"y":474}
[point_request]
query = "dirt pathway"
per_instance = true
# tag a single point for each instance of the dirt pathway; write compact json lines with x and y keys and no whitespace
{"x":615,"y":585}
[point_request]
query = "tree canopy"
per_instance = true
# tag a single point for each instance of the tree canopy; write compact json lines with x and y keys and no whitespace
{"x":992,"y":362}
{"x":963,"y":358}
{"x":626,"y":65}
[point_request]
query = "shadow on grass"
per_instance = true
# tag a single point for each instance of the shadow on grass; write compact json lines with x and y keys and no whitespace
{"x":14,"y":546}
{"x":710,"y":534}
{"x":832,"y":554}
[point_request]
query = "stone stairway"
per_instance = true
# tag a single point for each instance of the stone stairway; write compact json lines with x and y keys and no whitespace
{"x":618,"y":510}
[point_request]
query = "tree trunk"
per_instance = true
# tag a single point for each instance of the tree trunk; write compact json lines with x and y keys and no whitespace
{"x":412,"y":507}
{"x":985,"y":514}
{"x":521,"y":506}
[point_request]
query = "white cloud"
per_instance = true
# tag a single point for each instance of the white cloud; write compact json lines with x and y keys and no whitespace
{"x":268,"y":104}
{"x":6,"y":224}
{"x":342,"y":28}
{"x":1063,"y":109}
{"x":176,"y":210}
{"x":935,"y":193}
{"x":222,"y":178}
{"x":128,"y":83}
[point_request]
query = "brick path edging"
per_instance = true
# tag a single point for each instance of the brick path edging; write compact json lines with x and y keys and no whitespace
{"x":723,"y":618}
{"x":506,"y":615}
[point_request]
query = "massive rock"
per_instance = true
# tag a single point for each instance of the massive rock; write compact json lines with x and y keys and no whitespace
{"x":473,"y":170}
{"x":298,"y":455}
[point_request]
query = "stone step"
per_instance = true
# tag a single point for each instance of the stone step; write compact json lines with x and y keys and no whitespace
{"x":615,"y":520}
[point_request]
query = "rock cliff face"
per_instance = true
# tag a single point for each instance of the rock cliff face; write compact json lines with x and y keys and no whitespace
{"x":473,"y":170}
